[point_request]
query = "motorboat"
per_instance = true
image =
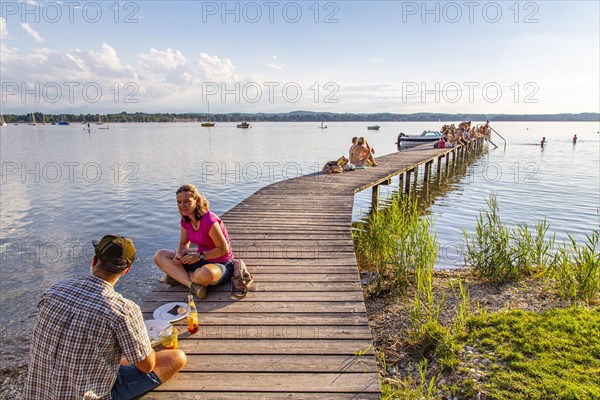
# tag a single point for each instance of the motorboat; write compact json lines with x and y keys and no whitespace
{"x":425,"y":137}
{"x":373,"y":127}
{"x":209,"y":124}
{"x":243,"y":125}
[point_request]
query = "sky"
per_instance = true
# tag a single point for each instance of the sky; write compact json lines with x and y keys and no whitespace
{"x":510,"y":57}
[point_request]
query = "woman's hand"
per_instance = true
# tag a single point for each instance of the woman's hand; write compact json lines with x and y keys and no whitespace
{"x":190,"y":258}
{"x":177,"y":260}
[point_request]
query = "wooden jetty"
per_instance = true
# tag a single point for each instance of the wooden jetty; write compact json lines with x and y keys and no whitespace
{"x":303,"y":333}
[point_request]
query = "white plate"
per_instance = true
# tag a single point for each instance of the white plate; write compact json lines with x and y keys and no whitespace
{"x":161,"y":312}
{"x":153,"y":327}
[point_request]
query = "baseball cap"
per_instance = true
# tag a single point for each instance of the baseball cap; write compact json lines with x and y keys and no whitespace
{"x":116,"y":252}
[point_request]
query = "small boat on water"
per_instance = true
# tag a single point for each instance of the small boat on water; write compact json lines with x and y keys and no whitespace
{"x":373,"y":127}
{"x":2,"y":122}
{"x":425,"y":137}
{"x":63,"y":121}
{"x":208,"y":123}
{"x":243,"y":125}
{"x":33,"y":123}
{"x":323,"y":126}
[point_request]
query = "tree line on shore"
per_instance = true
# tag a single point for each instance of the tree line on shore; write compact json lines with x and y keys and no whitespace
{"x":296,"y":116}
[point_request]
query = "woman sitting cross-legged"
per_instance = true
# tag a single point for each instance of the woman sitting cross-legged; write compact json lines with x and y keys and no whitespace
{"x":212,"y":263}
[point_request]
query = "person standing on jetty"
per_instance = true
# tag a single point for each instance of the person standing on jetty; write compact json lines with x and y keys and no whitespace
{"x":89,"y":342}
{"x":212,"y":263}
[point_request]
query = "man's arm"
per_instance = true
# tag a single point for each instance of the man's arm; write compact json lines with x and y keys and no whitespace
{"x":147,"y":364}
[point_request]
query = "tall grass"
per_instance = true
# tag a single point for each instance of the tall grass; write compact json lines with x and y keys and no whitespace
{"x":500,"y":254}
{"x":576,"y":269}
{"x":394,"y":244}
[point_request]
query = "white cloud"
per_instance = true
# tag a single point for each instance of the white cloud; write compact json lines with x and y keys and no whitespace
{"x":3,"y":31}
{"x":163,"y":60}
{"x":276,"y":65}
{"x":32,"y":32}
{"x":216,"y":69}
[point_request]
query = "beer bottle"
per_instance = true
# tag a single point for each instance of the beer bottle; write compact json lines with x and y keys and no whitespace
{"x":192,"y":318}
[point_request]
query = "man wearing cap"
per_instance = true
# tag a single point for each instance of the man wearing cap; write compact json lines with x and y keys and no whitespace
{"x":91,"y":343}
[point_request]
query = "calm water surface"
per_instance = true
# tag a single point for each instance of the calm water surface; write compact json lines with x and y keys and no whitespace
{"x":62,"y":187}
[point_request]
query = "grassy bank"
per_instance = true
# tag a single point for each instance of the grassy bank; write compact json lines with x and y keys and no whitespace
{"x":524,"y":326}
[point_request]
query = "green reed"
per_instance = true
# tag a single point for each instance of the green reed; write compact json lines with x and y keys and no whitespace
{"x":576,"y":269}
{"x":395,"y":243}
{"x":410,"y":388}
{"x":500,"y":254}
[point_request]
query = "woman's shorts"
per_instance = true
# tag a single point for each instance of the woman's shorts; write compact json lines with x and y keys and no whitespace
{"x":226,"y":269}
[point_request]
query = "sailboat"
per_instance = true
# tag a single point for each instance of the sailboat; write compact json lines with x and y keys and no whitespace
{"x":208,"y":123}
{"x":323,"y":126}
{"x":43,"y":120}
{"x":33,"y":123}
{"x":101,"y":123}
{"x":2,"y":121}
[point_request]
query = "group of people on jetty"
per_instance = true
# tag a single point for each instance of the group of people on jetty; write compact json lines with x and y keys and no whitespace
{"x":464,"y":134}
{"x":89,"y":342}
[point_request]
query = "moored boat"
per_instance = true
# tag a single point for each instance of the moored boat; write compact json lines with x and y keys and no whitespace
{"x":425,"y":137}
{"x":373,"y":127}
{"x":243,"y":125}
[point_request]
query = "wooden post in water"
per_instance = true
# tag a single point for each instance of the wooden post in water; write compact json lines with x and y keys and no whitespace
{"x":407,"y":181}
{"x":400,"y":181}
{"x":427,"y":170}
{"x":374,"y":198}
{"x":416,"y":177}
{"x":439,"y":165}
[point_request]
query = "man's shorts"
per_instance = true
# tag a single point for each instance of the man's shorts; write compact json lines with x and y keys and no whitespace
{"x":131,"y":383}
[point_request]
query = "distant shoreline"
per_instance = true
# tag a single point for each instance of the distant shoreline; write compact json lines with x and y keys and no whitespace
{"x":299,"y":116}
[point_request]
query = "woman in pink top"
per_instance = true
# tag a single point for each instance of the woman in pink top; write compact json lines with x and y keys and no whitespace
{"x":212,"y":263}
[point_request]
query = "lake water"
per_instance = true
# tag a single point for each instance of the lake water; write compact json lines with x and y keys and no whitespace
{"x":65,"y":186}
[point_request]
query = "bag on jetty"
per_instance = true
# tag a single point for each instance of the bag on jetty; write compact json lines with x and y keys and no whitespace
{"x":332,"y":167}
{"x":337,"y":166}
{"x":241,"y":281}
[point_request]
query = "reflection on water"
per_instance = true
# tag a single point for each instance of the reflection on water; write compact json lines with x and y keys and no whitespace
{"x":62,"y":187}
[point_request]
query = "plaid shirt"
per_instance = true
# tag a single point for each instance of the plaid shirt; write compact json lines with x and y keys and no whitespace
{"x":82,"y":329}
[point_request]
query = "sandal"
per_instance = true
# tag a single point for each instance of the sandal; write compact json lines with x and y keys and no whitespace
{"x":199,"y":290}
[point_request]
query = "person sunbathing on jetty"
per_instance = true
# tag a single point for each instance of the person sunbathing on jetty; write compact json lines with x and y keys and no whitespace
{"x":362,"y":155}
{"x":212,"y":263}
{"x":91,"y":342}
{"x":354,"y":140}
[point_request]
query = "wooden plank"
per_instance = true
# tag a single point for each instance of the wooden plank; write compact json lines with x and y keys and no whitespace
{"x":279,"y":287}
{"x":279,"y":346}
{"x":269,"y":307}
{"x":204,"y":395}
{"x":295,"y":382}
{"x":167,"y":297}
{"x":278,"y":363}
{"x":257,"y":319}
{"x":275,"y":332}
